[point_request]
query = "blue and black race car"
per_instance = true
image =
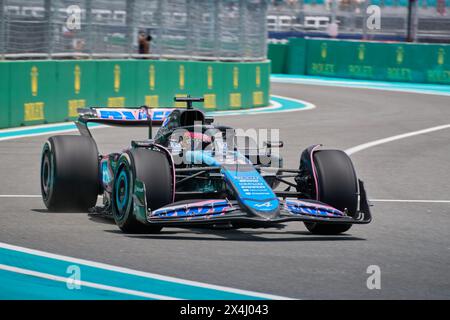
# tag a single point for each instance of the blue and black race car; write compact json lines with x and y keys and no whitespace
{"x":193,"y":173}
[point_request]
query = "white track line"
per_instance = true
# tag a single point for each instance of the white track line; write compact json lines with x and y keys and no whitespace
{"x":47,"y":132}
{"x":139,"y":273}
{"x":409,"y":201}
{"x":373,"y":200}
{"x":37,"y":126}
{"x":308,"y":105}
{"x":371,"y":144}
{"x":273,"y":108}
{"x":20,"y":196}
{"x":85,"y":283}
{"x":358,"y":85}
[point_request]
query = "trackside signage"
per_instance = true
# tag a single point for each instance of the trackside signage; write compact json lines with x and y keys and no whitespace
{"x":38,"y":92}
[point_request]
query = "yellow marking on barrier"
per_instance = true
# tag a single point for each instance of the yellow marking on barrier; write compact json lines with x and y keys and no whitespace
{"x":258,"y":98}
{"x":77,"y":79}
{"x":152,"y":101}
{"x":399,"y":74}
{"x":210,"y":101}
{"x":210,"y":77}
{"x":34,"y":74}
{"x":258,"y":77}
{"x":441,"y":56}
{"x":235,"y":100}
{"x":323,"y":50}
{"x":400,"y":55}
{"x":181,"y":72}
{"x":235,"y":77}
{"x":361,"y":52}
{"x":73,"y":105}
{"x":438,"y":76}
{"x":116,"y":78}
{"x":151,"y":77}
{"x":360,"y":70}
{"x":319,"y":68}
{"x":33,"y":111}
{"x":180,"y":104}
{"x":116,"y":102}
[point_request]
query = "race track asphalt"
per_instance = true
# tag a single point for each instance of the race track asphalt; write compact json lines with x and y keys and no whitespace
{"x":410,"y":242}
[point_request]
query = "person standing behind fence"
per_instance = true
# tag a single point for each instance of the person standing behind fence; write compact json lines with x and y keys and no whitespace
{"x":144,"y":42}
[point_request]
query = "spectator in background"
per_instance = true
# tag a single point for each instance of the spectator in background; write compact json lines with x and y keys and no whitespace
{"x":79,"y":45}
{"x":333,"y":29}
{"x":67,"y":38}
{"x":144,"y":42}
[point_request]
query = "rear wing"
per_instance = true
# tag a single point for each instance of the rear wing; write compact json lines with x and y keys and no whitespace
{"x":141,"y":117}
{"x":135,"y":117}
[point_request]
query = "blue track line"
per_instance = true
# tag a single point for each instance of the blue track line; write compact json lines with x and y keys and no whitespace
{"x":15,"y":284}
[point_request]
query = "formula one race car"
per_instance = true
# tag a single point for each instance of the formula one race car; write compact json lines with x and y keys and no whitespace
{"x":195,"y":173}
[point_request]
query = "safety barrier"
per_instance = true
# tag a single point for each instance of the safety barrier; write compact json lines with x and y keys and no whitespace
{"x":406,"y":62}
{"x":36,"y":92}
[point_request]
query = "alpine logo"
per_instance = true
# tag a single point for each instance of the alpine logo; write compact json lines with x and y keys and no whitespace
{"x":264,"y":205}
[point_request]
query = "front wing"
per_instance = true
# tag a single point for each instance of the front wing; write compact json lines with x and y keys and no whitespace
{"x":221,"y":211}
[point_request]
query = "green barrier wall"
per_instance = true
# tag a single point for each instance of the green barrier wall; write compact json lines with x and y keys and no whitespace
{"x":4,"y":95}
{"x":277,"y":53}
{"x":74,"y":87}
{"x":424,"y":63}
{"x":32,"y":88}
{"x":116,"y":83}
{"x":35,"y":92}
{"x":296,"y":56}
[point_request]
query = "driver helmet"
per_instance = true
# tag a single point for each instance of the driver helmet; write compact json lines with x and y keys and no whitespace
{"x":195,"y":140}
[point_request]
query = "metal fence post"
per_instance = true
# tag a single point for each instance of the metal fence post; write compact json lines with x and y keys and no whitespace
{"x":300,"y":15}
{"x":264,"y":27}
{"x":365,"y":5}
{"x":190,"y":27}
{"x":88,"y":26}
{"x":412,"y":21}
{"x":48,"y":16}
{"x":243,"y":30}
{"x":2,"y":29}
{"x":159,"y":31}
{"x":333,"y":10}
{"x":217,"y":30}
{"x":130,"y":6}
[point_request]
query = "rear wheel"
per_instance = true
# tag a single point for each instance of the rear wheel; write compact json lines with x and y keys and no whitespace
{"x":154,"y":170}
{"x":338,"y":187}
{"x":69,"y":173}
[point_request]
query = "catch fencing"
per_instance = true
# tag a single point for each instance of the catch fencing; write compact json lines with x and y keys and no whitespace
{"x":232,"y":30}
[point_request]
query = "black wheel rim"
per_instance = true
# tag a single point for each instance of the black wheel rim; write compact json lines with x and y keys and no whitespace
{"x":121,"y":191}
{"x":46,"y":175}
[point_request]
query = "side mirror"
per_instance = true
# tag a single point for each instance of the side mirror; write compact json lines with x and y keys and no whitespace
{"x":209,"y":120}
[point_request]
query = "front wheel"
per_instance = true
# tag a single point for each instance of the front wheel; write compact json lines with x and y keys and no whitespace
{"x":153,"y":169}
{"x":337,"y":187}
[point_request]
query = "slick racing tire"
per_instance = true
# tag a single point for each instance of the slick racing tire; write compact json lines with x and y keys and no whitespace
{"x":153,"y":169}
{"x":69,"y":173}
{"x":338,"y":187}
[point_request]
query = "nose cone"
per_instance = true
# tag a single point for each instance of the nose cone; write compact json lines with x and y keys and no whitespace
{"x":267,"y":209}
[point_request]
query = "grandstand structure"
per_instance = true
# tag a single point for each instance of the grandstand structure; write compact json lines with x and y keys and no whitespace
{"x":291,"y":18}
{"x":180,"y":29}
